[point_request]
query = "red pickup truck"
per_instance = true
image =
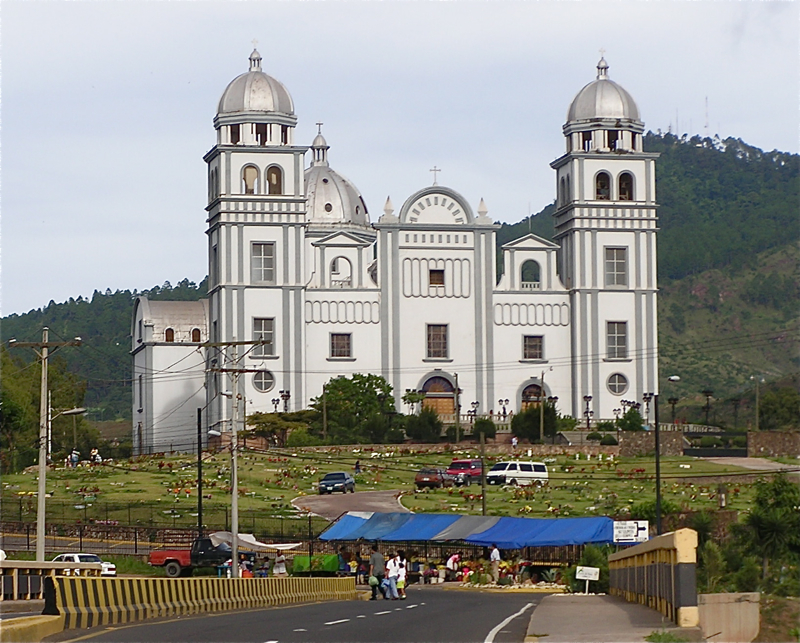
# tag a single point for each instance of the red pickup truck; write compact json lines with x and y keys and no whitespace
{"x":181,"y":562}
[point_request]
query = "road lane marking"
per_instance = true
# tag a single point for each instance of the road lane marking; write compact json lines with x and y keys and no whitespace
{"x":341,"y":620}
{"x":410,"y":607}
{"x":361,"y":616}
{"x":494,"y":631}
{"x":300,"y":629}
{"x":270,"y":641}
{"x":379,"y":613}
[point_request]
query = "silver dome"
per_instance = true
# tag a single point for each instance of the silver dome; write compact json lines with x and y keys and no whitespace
{"x":331,"y":198}
{"x":255,"y":91}
{"x":602,"y":99}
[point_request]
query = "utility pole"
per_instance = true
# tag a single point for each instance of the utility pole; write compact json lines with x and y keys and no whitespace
{"x":458,"y":409}
{"x":200,"y":474}
{"x":483,"y":474}
{"x":541,"y":409}
{"x":44,"y":424}
{"x":235,"y":471}
{"x":324,"y":411}
{"x":658,"y":466}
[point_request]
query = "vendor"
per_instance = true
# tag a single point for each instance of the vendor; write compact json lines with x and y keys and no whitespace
{"x":452,"y":566}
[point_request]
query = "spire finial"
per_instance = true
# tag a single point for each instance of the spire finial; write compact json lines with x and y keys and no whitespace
{"x":255,"y":58}
{"x":435,"y":170}
{"x":319,"y":127}
{"x":602,"y":66}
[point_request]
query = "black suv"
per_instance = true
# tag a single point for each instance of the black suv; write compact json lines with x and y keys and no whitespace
{"x":337,"y":481}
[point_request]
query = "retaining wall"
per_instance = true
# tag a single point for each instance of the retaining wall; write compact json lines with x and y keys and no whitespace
{"x":89,"y":602}
{"x":636,"y":443}
{"x":773,"y":444}
{"x":660,"y":573}
{"x":730,"y":618}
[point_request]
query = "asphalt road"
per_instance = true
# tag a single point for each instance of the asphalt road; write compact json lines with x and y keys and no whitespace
{"x":429,"y":615}
{"x":333,"y":505}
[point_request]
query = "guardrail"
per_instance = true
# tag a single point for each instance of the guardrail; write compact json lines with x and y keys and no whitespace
{"x":89,"y":602}
{"x":661,"y":574}
{"x":23,"y":580}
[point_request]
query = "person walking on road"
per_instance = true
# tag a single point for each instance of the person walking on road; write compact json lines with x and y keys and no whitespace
{"x":403,"y":571}
{"x":494,"y":558}
{"x":377,"y":568}
{"x":393,"y":575}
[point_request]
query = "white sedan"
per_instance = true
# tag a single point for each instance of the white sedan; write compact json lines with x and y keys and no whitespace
{"x":109,"y":569}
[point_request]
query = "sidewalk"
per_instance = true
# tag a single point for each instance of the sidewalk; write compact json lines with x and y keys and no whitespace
{"x":580,"y":618}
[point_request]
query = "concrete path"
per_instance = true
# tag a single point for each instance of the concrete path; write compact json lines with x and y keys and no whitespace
{"x":334,"y":505}
{"x":757,"y":464}
{"x":579,"y":618}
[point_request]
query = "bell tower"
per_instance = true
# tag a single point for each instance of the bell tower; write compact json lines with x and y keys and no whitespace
{"x":606,"y":224}
{"x":256,"y":239}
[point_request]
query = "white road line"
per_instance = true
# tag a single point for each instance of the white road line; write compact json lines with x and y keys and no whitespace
{"x":342,"y":620}
{"x":361,"y":616}
{"x":270,"y":642}
{"x":410,"y":607}
{"x":379,"y":613}
{"x":490,"y":636}
{"x":300,"y":629}
{"x":398,"y":609}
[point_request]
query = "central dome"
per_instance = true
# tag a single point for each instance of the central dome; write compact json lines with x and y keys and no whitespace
{"x":255,"y":91}
{"x":602,"y":99}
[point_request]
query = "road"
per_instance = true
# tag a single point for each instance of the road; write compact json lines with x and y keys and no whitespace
{"x":334,"y":505}
{"x":430,"y":614}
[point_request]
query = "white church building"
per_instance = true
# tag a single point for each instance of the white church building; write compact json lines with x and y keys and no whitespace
{"x":305,"y":286}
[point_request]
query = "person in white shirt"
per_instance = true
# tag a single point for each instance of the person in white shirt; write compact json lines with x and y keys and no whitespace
{"x":403,"y":571}
{"x":392,"y":574}
{"x":494,"y":558}
{"x":279,"y":569}
{"x":452,"y":566}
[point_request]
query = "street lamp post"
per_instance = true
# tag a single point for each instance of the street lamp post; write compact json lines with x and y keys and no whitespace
{"x":672,"y":402}
{"x":647,"y":398}
{"x":552,"y":402}
{"x":473,"y":412}
{"x":275,"y":402}
{"x":588,"y":412}
{"x":504,"y":404}
{"x":285,"y":396}
{"x":708,"y":394}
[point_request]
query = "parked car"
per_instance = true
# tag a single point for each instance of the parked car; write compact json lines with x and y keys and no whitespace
{"x":109,"y":569}
{"x":337,"y":481}
{"x":434,"y":478}
{"x":516,"y":472}
{"x":182,"y":562}
{"x":465,"y":472}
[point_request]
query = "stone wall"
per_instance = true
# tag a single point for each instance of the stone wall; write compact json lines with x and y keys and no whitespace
{"x":637,"y":443}
{"x":773,"y":444}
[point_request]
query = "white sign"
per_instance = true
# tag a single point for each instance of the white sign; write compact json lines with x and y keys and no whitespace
{"x":631,"y":531}
{"x":587,"y":573}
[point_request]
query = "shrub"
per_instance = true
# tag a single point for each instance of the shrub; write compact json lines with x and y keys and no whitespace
{"x":709,"y":441}
{"x":300,"y":437}
{"x":606,"y":425}
{"x":425,"y":427}
{"x":485,"y":426}
{"x":608,"y":440}
{"x":594,"y":435}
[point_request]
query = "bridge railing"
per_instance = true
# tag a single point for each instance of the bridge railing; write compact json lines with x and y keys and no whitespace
{"x":23,"y":580}
{"x":660,"y":573}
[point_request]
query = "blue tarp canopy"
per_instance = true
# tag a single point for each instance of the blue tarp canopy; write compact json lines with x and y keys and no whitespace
{"x":507,"y":533}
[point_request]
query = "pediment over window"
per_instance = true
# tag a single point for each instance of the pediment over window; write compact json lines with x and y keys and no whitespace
{"x":342,"y":240}
{"x":530,"y":242}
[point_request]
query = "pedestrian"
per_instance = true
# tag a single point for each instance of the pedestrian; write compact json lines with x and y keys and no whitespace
{"x":403,"y":572}
{"x":392,"y":575}
{"x":514,"y":443}
{"x":451,"y":567}
{"x":279,"y":568}
{"x":494,"y":559}
{"x":358,"y":467}
{"x":377,"y":569}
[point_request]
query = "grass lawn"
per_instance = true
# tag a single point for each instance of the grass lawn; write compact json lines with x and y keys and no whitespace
{"x":152,"y":490}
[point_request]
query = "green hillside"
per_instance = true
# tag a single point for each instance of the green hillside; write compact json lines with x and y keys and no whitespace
{"x":727,"y":256}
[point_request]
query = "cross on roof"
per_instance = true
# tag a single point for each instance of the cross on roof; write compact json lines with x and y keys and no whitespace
{"x":255,"y":43}
{"x":319,"y":127}
{"x":435,"y":170}
{"x":602,"y":52}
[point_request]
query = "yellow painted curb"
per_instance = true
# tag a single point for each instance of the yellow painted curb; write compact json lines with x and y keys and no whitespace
{"x":30,"y":629}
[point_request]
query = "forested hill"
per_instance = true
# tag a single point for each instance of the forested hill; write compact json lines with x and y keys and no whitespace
{"x":720,"y":203}
{"x":104,"y":324}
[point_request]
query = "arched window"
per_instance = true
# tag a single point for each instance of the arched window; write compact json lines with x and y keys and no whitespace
{"x":568,"y":194}
{"x":169,"y":335}
{"x":341,"y":273}
{"x":625,"y":187}
{"x":250,"y":179}
{"x":196,"y":335}
{"x":602,"y":184}
{"x":439,"y":395}
{"x":562,"y":191}
{"x":275,"y":180}
{"x":530,"y":275}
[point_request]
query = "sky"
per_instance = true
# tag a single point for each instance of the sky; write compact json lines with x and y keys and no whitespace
{"x":107,"y":109}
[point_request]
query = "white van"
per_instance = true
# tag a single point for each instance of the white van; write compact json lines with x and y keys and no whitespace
{"x":516,"y":472}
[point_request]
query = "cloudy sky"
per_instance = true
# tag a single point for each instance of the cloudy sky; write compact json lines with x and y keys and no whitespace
{"x":107,"y":108}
